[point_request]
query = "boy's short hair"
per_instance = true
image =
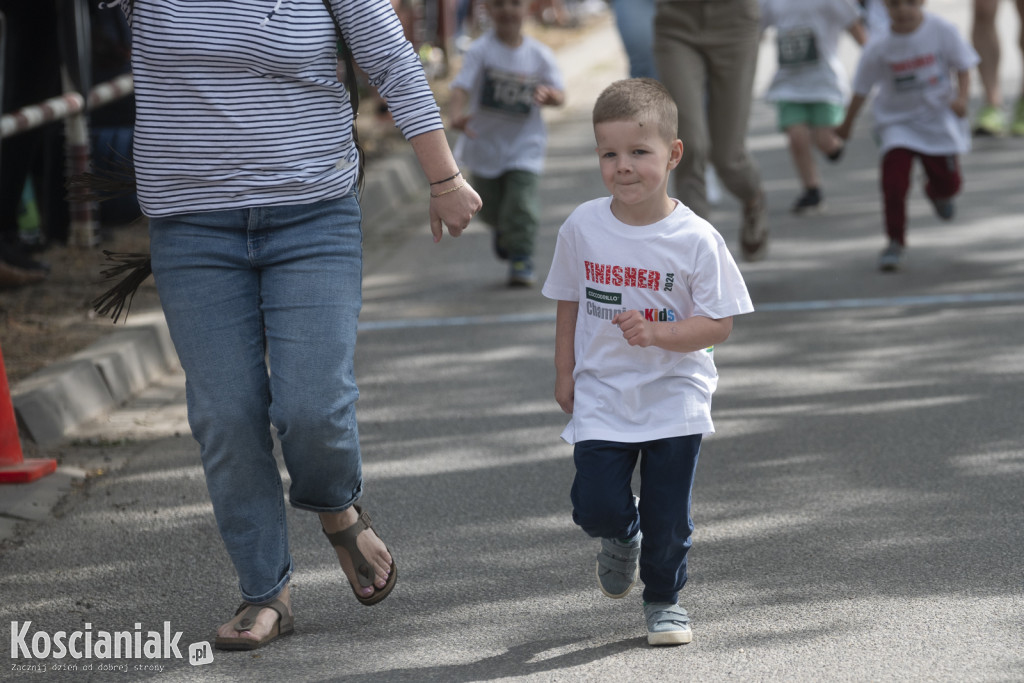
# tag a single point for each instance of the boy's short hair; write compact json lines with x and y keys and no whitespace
{"x":639,"y":99}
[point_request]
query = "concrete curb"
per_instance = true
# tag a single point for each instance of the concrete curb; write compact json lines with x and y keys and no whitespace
{"x":55,"y":401}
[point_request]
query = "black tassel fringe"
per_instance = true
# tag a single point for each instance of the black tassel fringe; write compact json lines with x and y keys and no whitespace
{"x":132,"y":269}
{"x":116,"y":179}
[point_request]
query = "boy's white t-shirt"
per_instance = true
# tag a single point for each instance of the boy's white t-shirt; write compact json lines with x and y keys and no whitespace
{"x":876,"y":19}
{"x":508,"y":131}
{"x":915,"y":75}
{"x":807,"y":38}
{"x":674,"y":269}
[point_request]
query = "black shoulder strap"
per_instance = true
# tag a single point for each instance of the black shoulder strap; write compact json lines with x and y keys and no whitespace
{"x":352,"y":86}
{"x":346,"y":55}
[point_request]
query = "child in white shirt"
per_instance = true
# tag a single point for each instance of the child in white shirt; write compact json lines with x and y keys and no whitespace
{"x":645,"y":289}
{"x":810,"y":85}
{"x":918,"y":112}
{"x":506,"y":77}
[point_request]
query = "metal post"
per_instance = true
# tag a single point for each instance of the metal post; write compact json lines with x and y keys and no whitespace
{"x":3,"y":66}
{"x":76,"y":77}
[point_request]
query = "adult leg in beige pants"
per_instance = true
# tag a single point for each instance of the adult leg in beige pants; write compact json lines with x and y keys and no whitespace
{"x":706,"y":53}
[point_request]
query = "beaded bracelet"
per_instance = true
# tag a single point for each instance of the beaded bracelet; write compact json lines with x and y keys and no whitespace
{"x":450,"y":189}
{"x":453,"y":177}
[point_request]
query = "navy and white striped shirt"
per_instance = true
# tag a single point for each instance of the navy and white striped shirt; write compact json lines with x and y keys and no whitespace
{"x":238,"y":103}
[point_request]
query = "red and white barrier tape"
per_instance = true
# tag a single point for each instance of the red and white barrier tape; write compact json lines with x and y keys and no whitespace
{"x":65,"y":105}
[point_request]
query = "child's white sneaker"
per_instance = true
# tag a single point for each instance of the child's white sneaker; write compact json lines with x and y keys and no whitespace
{"x":667,"y":624}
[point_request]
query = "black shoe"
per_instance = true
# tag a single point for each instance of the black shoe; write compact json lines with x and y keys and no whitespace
{"x":837,"y":154}
{"x":809,"y":202}
{"x":13,"y":254}
{"x":12,"y":276}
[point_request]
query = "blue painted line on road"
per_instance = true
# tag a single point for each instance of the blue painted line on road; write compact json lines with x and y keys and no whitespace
{"x":457,"y":321}
{"x":887,"y":302}
{"x":772,"y":307}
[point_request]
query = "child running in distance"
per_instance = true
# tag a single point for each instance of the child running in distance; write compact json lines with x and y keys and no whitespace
{"x":506,"y":77}
{"x":919,"y":111}
{"x":810,"y":85}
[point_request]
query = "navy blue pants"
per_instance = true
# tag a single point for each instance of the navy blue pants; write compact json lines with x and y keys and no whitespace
{"x":602,"y":501}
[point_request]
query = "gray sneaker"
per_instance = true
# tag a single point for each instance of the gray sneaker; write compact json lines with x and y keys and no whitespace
{"x":944,"y":208}
{"x":618,"y":566}
{"x":667,"y":624}
{"x":889,"y":259}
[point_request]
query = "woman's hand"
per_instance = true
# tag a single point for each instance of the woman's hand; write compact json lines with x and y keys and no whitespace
{"x":453,"y":201}
{"x":453,"y":207}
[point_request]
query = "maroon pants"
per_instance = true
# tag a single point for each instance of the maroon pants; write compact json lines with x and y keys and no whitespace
{"x":943,"y":173}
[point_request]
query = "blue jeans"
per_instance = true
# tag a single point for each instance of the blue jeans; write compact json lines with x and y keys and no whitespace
{"x":602,"y":502}
{"x":635,"y":21}
{"x":241,"y":289}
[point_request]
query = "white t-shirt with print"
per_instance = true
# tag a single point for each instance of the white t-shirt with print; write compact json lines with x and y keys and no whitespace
{"x":915,"y":74}
{"x":508,"y":131}
{"x":807,"y":37}
{"x":674,"y":269}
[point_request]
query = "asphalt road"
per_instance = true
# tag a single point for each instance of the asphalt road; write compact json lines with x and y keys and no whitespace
{"x":859,"y":512}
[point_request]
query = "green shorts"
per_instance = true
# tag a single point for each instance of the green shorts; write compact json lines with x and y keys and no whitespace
{"x":813,"y":114}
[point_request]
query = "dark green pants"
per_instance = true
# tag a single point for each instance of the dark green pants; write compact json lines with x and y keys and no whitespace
{"x":512,"y":208}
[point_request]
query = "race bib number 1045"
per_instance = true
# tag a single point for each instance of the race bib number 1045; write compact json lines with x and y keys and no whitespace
{"x":507,"y":93}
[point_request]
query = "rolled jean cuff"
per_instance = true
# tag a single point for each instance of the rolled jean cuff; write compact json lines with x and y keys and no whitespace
{"x":269,"y":596}
{"x":299,"y":505}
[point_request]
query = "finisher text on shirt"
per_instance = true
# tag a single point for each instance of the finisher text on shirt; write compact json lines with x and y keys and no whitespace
{"x":911,"y":64}
{"x":622,"y":276}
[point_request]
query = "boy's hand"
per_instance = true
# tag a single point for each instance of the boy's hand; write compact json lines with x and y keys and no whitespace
{"x":546,"y":95}
{"x":852,"y":111}
{"x":565,"y":391}
{"x":461,"y":123}
{"x":636,"y":329}
{"x":959,"y":107}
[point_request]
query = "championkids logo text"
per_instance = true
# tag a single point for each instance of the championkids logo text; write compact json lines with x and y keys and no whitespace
{"x":101,"y":644}
{"x":599,"y":301}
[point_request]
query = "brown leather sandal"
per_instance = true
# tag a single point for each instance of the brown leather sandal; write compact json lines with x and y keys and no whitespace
{"x":285,"y":626}
{"x":346,"y":540}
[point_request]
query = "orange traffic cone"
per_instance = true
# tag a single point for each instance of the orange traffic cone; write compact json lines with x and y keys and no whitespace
{"x":14,"y":468}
